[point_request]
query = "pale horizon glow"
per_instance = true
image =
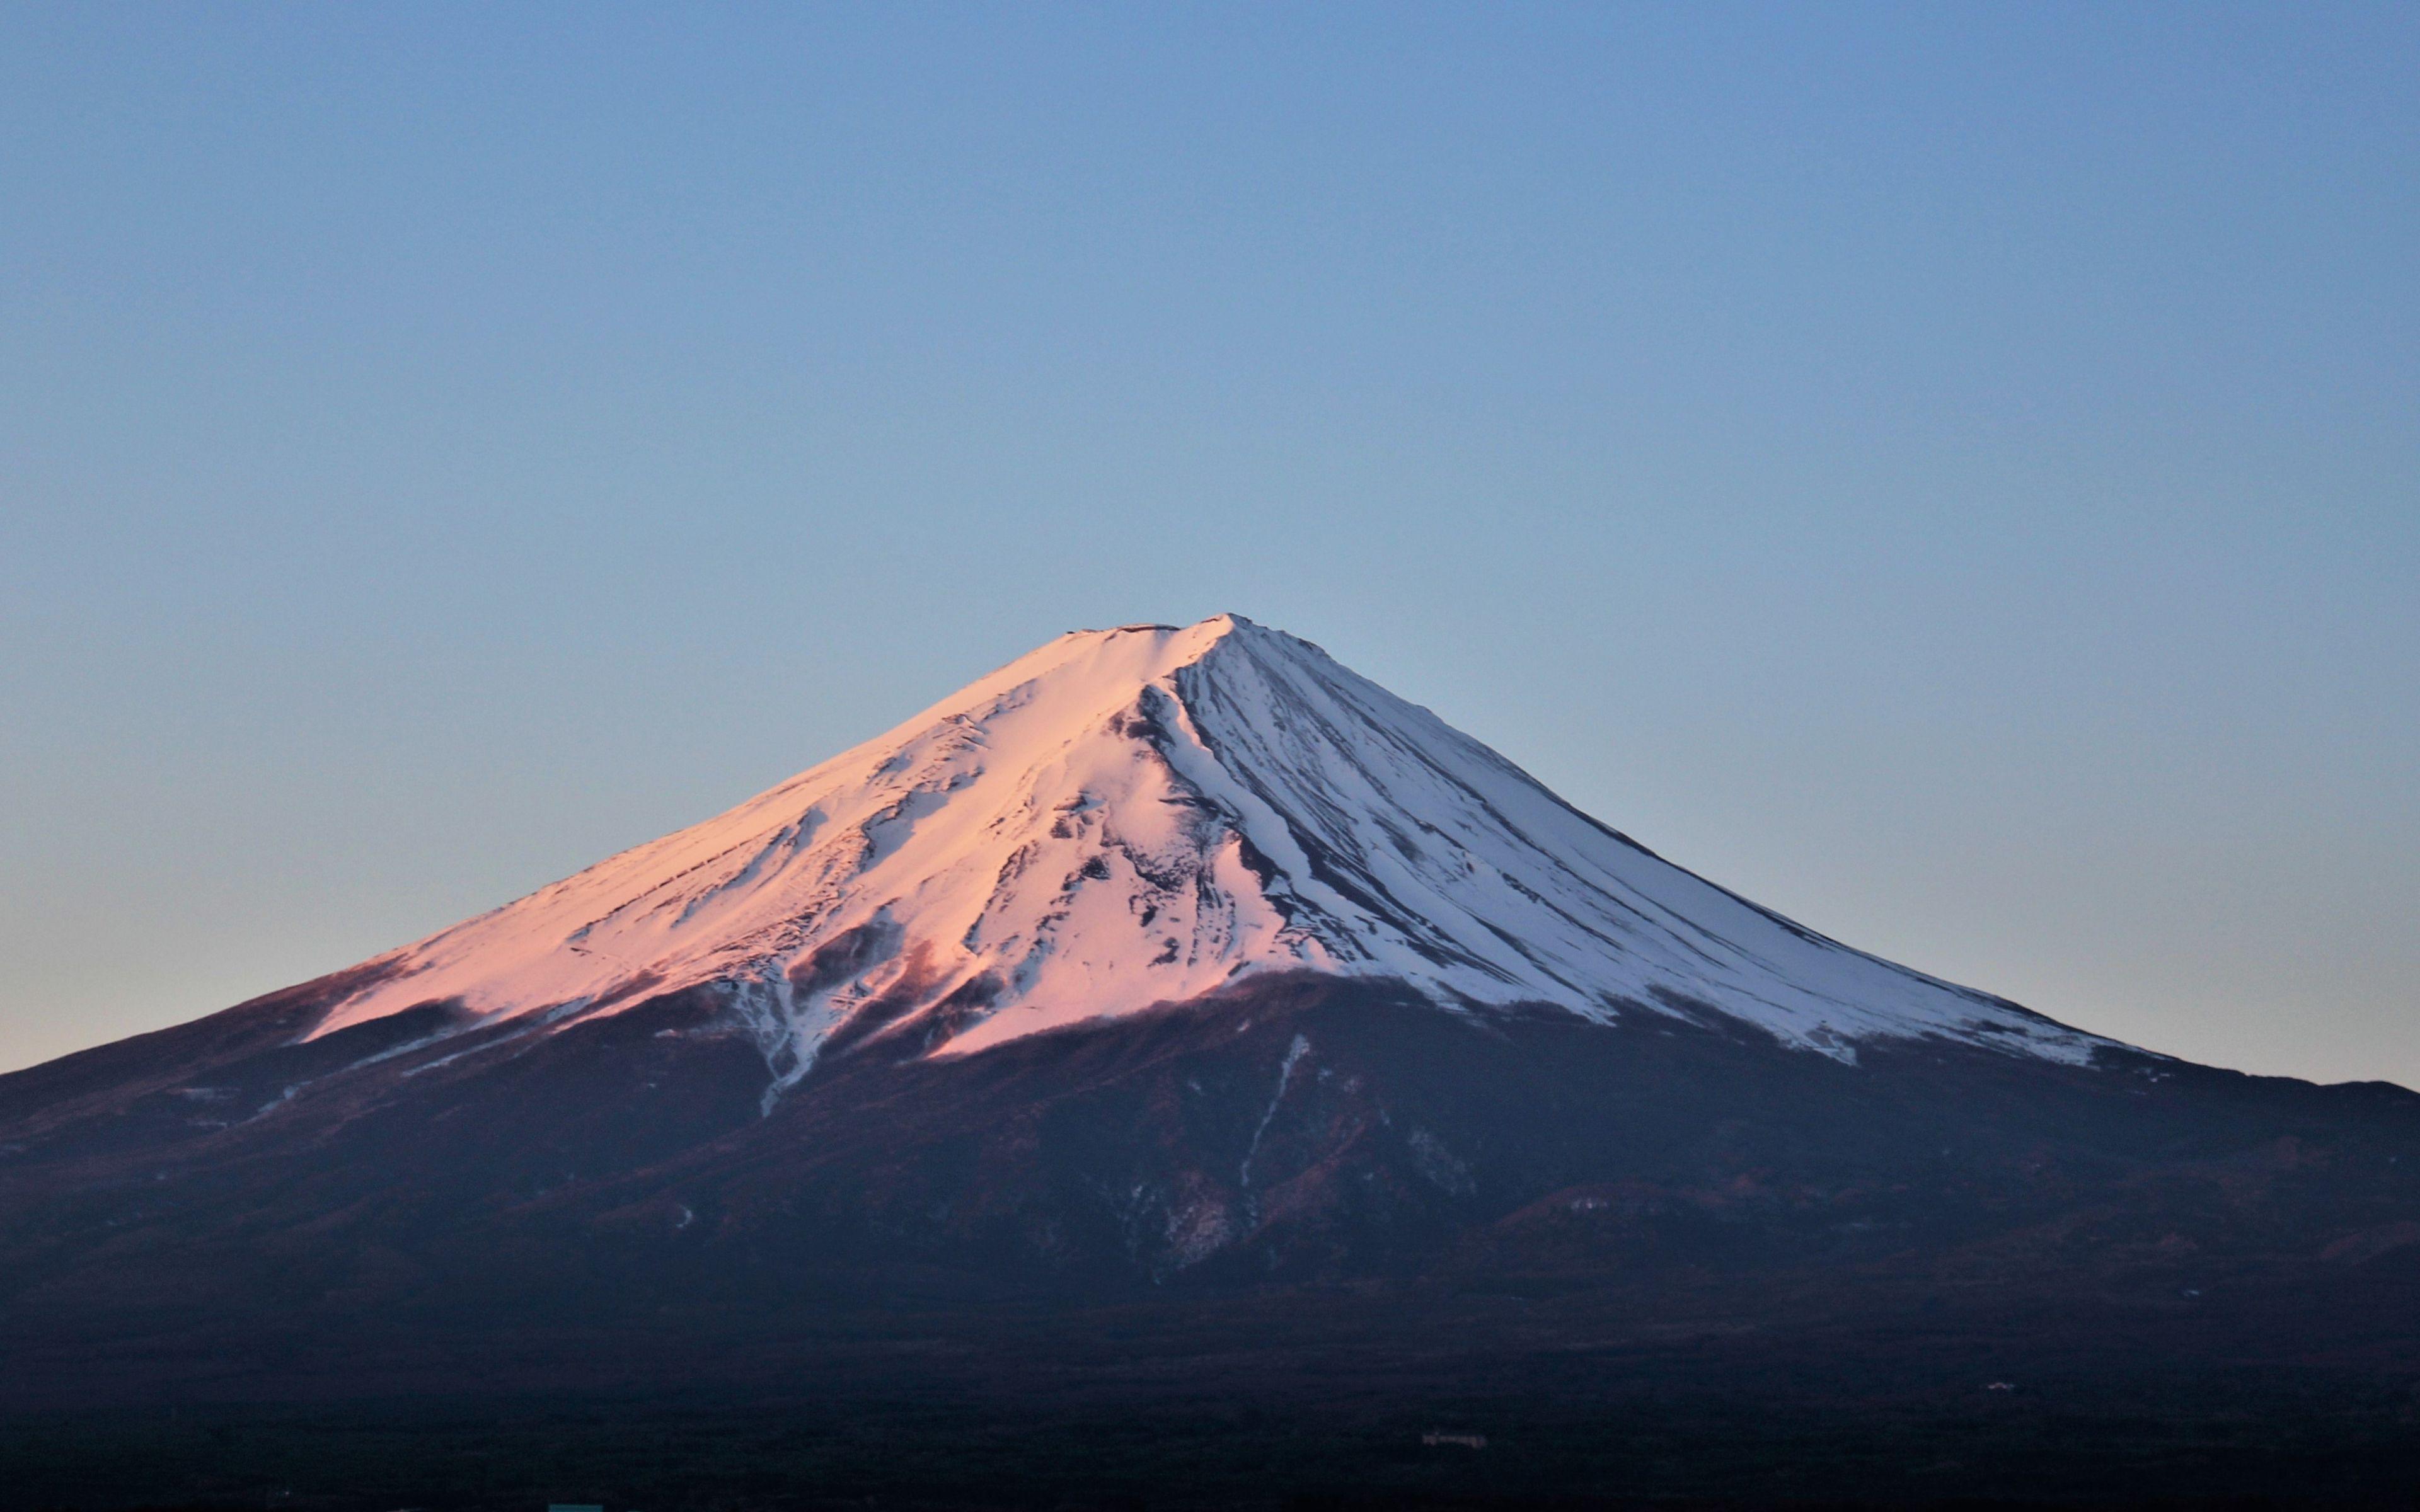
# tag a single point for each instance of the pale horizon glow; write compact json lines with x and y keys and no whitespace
{"x":1944,"y":475}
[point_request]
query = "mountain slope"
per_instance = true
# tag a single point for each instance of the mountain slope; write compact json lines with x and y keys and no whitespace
{"x":1171,"y":1014}
{"x":1141,"y":815}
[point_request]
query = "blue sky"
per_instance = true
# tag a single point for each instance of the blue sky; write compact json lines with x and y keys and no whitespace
{"x":1946,"y":472}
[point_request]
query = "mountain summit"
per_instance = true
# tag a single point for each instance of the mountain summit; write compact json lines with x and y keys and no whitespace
{"x":1136,"y":816}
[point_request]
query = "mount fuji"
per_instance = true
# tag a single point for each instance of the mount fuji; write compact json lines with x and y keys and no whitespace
{"x":1164,"y":1012}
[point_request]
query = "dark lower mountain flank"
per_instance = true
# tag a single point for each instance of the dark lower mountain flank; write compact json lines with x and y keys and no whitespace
{"x":1302,"y":1196}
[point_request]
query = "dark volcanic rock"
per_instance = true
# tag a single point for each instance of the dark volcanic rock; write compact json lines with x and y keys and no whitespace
{"x":612,"y":1191}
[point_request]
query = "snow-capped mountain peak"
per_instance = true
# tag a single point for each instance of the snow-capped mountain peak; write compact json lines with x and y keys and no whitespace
{"x":1141,"y":815}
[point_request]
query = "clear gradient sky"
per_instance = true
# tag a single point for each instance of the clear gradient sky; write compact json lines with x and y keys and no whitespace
{"x":1951,"y":473}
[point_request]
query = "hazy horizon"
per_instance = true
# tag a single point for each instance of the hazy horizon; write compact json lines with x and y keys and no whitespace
{"x":1945,"y":476}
